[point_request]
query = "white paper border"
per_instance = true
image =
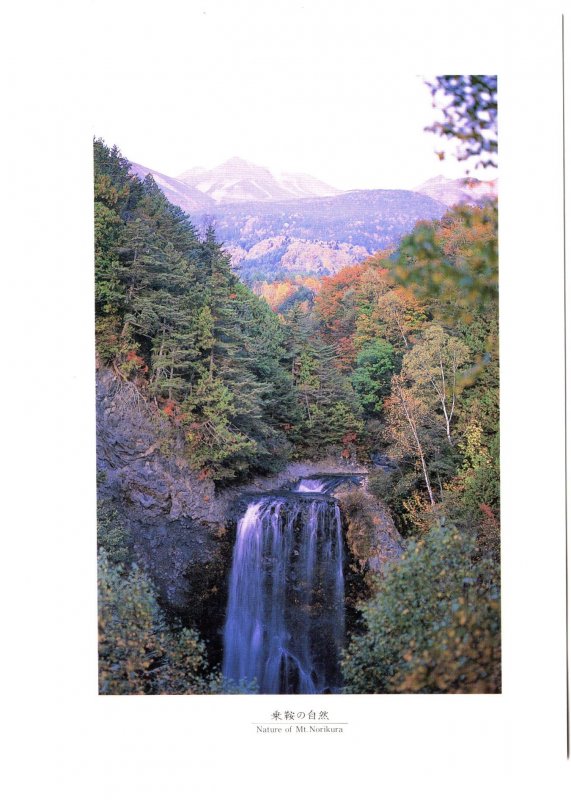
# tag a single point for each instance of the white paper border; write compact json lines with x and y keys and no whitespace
{"x":68,"y":742}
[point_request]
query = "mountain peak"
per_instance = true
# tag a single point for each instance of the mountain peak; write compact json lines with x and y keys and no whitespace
{"x":236,"y":161}
{"x":238,"y":180}
{"x":452,"y":191}
{"x":179,"y":192}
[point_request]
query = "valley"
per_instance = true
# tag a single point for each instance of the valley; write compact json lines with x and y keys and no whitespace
{"x":298,"y":434}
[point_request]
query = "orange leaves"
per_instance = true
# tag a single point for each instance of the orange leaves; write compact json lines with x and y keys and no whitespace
{"x":362,"y":303}
{"x":489,"y":533}
{"x":276,"y":293}
{"x":462,"y":229}
{"x":136,"y":361}
{"x":348,"y":439}
{"x":329,"y":303}
{"x":133,"y":367}
{"x":169,"y":408}
{"x":488,"y":513}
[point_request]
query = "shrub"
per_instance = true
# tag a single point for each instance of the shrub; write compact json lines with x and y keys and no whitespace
{"x":381,"y":483}
{"x":138,"y":652}
{"x":433,"y":625}
{"x":360,"y":526}
{"x":112,"y":535}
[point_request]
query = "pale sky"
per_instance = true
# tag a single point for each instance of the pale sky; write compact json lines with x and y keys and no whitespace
{"x":294,"y":87}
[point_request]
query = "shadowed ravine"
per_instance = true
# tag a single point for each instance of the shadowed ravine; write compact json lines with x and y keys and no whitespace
{"x":285,"y":617}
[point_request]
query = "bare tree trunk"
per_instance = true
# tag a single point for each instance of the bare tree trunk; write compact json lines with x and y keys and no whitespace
{"x":441,"y":392}
{"x":307,"y":408}
{"x":447,"y":418}
{"x":419,"y":448}
{"x":401,"y":331}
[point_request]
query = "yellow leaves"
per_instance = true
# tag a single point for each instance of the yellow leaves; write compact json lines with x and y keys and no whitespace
{"x":476,"y":454}
{"x":418,"y":513}
{"x":437,"y":623}
{"x":275,"y":293}
{"x":454,"y":261}
{"x":137,"y":652}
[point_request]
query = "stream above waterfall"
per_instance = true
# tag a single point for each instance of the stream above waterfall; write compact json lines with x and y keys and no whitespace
{"x":285,"y":619}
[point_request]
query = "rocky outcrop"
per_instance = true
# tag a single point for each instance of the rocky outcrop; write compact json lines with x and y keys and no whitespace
{"x":235,"y":499}
{"x":141,"y":460}
{"x":177,"y":528}
{"x":370,"y":532}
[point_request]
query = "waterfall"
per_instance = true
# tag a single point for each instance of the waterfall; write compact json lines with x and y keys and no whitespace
{"x":325,"y":483}
{"x":285,"y":616}
{"x":310,"y":485}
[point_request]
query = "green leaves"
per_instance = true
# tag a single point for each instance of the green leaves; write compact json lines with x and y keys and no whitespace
{"x":453,"y":265}
{"x":433,"y":625}
{"x":372,"y":377}
{"x":172,"y":316}
{"x":469,"y":115}
{"x":139,"y":653}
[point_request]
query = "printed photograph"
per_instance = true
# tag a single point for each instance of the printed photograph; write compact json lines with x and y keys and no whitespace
{"x":297,"y":369}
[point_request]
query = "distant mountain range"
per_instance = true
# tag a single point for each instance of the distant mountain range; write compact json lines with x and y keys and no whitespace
{"x":180,"y":194}
{"x":237,"y":181}
{"x":292,"y":225}
{"x":317,"y":236}
{"x":452,"y":192}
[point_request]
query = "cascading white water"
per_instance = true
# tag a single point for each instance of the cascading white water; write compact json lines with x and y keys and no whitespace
{"x":310,"y":485}
{"x":285,"y":617}
{"x":324,"y":484}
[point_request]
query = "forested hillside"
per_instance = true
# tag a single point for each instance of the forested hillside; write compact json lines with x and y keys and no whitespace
{"x":246,"y":387}
{"x":416,"y":331}
{"x":317,"y":236}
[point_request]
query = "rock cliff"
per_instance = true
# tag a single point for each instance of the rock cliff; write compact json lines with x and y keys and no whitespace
{"x":177,"y":527}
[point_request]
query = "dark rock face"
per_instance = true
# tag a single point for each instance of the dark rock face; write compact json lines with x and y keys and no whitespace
{"x":383,"y":462}
{"x":372,"y":542}
{"x":142,"y":460}
{"x":369,"y":529}
{"x":178,"y":529}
